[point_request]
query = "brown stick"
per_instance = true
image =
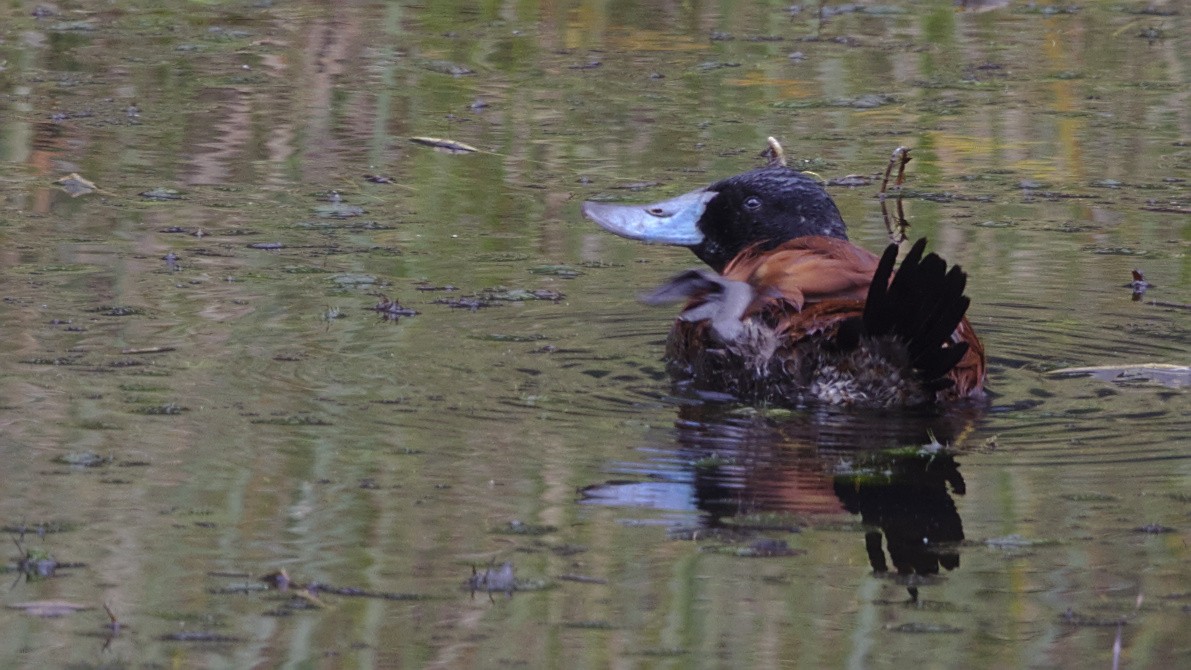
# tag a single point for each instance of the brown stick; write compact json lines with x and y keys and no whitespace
{"x":897,"y":232}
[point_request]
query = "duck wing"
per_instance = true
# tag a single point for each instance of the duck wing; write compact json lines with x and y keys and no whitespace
{"x":806,"y":270}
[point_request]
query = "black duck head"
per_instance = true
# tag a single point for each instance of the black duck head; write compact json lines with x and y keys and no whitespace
{"x":764,"y":207}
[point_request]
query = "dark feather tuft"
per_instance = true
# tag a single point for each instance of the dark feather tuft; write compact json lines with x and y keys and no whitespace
{"x":921,"y":307}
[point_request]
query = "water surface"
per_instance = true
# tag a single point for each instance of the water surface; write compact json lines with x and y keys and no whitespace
{"x":196,"y":392}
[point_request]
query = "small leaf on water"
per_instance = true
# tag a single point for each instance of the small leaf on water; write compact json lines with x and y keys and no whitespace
{"x":446,"y":146}
{"x":447,"y":67}
{"x":161,"y":193}
{"x":74,"y":185}
{"x":48,"y":608}
{"x":338,"y":210}
{"x":564,"y":271}
{"x":83,"y":459}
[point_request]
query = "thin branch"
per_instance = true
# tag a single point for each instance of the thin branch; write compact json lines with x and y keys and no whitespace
{"x":897,"y":231}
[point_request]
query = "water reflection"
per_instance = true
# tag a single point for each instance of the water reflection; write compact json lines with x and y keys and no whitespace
{"x":1051,"y":159}
{"x":733,"y":473}
{"x":907,"y":498}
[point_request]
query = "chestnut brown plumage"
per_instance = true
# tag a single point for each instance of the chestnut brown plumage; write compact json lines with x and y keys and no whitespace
{"x":794,"y":312}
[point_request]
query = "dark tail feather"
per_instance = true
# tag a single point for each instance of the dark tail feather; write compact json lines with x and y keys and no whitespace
{"x":921,"y":307}
{"x":878,"y":288}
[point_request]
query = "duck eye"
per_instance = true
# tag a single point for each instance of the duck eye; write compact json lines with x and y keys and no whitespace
{"x":753,"y":202}
{"x":656,"y":211}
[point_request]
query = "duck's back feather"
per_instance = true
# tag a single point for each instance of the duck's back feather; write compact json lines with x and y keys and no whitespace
{"x":808,"y":333}
{"x":806,"y":270}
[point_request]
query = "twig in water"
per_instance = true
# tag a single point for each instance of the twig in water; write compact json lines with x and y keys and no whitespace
{"x":897,"y":231}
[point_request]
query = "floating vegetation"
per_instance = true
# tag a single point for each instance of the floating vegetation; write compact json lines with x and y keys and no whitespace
{"x":564,"y":271}
{"x":146,"y":350}
{"x":471,"y":304}
{"x":391,"y":310}
{"x":503,"y":337}
{"x":97,"y":424}
{"x":444,"y":146}
{"x":445,"y":67}
{"x":1159,"y":373}
{"x":568,"y":549}
{"x":352,"y":592}
{"x":117,"y":310}
{"x":161,"y":194}
{"x":503,"y":257}
{"x":591,"y":625}
{"x":166,"y":409}
{"x":1117,"y":251}
{"x":293,"y":420}
{"x":850,"y":181}
{"x":74,"y":185}
{"x":35,"y":564}
{"x":85,"y":25}
{"x":503,"y":294}
{"x":522,"y":528}
{"x":492,"y":579}
{"x":1073,"y":618}
{"x":83,"y":459}
{"x":59,"y":360}
{"x":49,"y":608}
{"x":491,"y":296}
{"x":200,"y":636}
{"x":338,"y":210}
{"x":583,"y":579}
{"x":40,"y":528}
{"x":1154,"y":529}
{"x":922,"y":628}
{"x":240,"y":588}
{"x":866,"y":101}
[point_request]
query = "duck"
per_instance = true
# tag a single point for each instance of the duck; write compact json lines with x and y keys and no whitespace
{"x":790,"y":312}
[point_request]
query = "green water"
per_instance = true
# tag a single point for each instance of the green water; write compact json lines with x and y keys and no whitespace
{"x":173,"y":430}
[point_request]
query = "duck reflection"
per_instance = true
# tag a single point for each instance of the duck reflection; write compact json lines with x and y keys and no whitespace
{"x":725,"y":471}
{"x":905,"y":497}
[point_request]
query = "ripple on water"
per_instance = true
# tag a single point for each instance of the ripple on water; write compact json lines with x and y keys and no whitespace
{"x":1094,"y":418}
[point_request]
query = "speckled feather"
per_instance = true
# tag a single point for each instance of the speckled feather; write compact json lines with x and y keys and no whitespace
{"x":792,"y":351}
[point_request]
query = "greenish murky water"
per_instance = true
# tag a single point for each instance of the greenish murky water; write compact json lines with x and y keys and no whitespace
{"x":198,"y":390}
